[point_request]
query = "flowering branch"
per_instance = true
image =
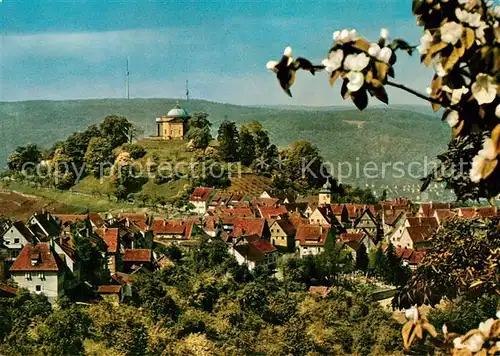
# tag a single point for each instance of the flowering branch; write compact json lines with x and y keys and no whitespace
{"x":414,"y":92}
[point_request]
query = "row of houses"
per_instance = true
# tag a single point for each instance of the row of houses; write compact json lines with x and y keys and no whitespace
{"x":39,"y":254}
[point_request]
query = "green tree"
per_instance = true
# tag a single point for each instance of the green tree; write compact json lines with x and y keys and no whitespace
{"x":99,"y":154}
{"x":246,"y":147}
{"x":302,"y":165}
{"x":64,"y":331}
{"x":116,"y":129}
{"x":136,"y":151}
{"x":24,"y":155}
{"x":362,"y":258}
{"x":199,"y":120}
{"x":462,"y":262}
{"x":88,"y":252}
{"x":228,"y":141}
{"x":200,"y":137}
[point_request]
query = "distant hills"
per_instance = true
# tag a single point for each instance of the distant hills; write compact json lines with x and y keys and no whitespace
{"x":380,"y":134}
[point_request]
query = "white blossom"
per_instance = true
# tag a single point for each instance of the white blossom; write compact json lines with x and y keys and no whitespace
{"x":356,"y":62}
{"x":334,"y":61}
{"x":485,"y":327}
{"x":497,"y":114}
{"x":475,"y":173}
{"x":489,"y":150}
{"x":452,"y":118}
{"x":475,"y":342}
{"x":409,"y":313}
{"x":356,"y":81}
{"x":385,"y":54}
{"x":498,"y":314}
{"x":456,"y":94}
{"x":488,"y":153}
{"x":471,"y":18}
{"x":484,"y":89}
{"x":457,"y":343}
{"x":451,"y":32}
{"x":496,"y":11}
{"x":345,"y":36}
{"x":425,"y":42}
{"x":374,"y":50}
{"x":438,"y":67}
{"x":384,"y":33}
{"x":271,"y":65}
{"x":480,"y":32}
{"x":444,"y":328}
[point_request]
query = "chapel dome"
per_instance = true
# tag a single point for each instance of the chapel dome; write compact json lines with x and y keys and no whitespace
{"x":177,"y":111}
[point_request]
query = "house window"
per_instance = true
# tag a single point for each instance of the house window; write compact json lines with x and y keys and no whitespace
{"x":41,"y":275}
{"x":6,"y":242}
{"x":38,"y":289}
{"x":27,"y":276}
{"x":16,"y":241}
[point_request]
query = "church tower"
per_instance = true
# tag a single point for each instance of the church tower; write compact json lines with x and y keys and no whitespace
{"x":325,"y":194}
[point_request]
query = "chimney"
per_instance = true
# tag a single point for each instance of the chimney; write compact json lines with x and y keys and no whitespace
{"x":35,"y":257}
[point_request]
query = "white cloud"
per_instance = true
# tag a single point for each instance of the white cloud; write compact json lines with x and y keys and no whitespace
{"x":89,"y":46}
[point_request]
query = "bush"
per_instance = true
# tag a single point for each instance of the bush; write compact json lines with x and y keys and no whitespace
{"x":136,"y":151}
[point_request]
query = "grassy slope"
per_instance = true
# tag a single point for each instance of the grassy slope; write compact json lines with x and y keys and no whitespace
{"x":385,"y":134}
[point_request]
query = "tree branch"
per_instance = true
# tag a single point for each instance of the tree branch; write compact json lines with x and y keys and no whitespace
{"x":414,"y":92}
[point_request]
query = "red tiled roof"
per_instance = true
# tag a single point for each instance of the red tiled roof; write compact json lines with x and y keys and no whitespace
{"x":269,"y":202}
{"x":69,"y":218}
{"x":248,"y":226}
{"x":444,"y":214}
{"x":173,"y":227}
{"x":423,"y":221}
{"x":297,"y":219}
{"x":312,"y":234}
{"x":122,"y":278}
{"x":264,"y":246}
{"x":221,"y":199}
{"x":404,"y":253}
{"x":420,"y":233}
{"x":270,"y":212}
{"x":137,"y":255}
{"x":200,"y":194}
{"x":467,"y":212}
{"x":7,"y":289}
{"x":416,"y":257}
{"x":109,"y":289}
{"x":46,"y":260}
{"x":237,"y":211}
{"x":337,"y":208}
{"x":486,"y":212}
{"x":347,"y":237}
{"x":286,"y":226}
{"x":110,"y":237}
{"x":96,"y":219}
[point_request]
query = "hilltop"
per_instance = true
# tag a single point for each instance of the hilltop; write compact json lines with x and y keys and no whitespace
{"x":342,"y":134}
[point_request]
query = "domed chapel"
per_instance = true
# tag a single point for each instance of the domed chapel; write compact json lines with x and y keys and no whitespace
{"x":173,"y":125}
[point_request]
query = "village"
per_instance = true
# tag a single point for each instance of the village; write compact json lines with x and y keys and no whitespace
{"x":39,"y":254}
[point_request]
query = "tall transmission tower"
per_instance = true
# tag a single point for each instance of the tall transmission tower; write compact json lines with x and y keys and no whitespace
{"x":127,"y":88}
{"x":187,"y":90}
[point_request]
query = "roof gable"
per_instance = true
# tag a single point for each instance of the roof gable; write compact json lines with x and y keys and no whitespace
{"x":39,"y":257}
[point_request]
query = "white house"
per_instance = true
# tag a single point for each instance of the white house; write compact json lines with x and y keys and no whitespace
{"x":256,"y":253}
{"x":16,"y":237}
{"x":39,"y":270}
{"x":199,"y":199}
{"x":311,"y":239}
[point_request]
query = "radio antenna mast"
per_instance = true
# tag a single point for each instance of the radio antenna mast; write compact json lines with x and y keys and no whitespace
{"x":187,"y":90}
{"x":127,"y":88}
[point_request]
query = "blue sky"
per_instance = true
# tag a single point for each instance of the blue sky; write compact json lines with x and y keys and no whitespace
{"x":77,"y":49}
